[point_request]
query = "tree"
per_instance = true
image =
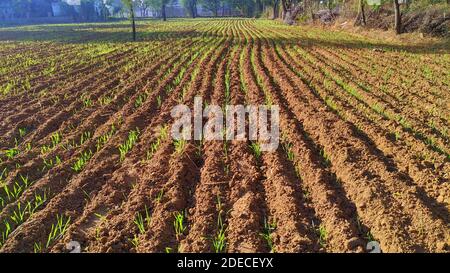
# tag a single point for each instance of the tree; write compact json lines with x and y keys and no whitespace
{"x":211,"y":5}
{"x":161,"y":5}
{"x":144,"y":5}
{"x":398,"y":17}
{"x":245,"y":7}
{"x":275,"y":6}
{"x":129,"y":5}
{"x":22,"y":8}
{"x":362,"y":13}
{"x":191,"y":7}
{"x":291,"y":8}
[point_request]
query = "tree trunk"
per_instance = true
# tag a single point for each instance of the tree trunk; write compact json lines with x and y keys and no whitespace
{"x":163,"y":12}
{"x":275,"y":9}
{"x":133,"y":23}
{"x":398,"y":18}
{"x":194,"y":10}
{"x":362,"y":12}
{"x":291,"y":13}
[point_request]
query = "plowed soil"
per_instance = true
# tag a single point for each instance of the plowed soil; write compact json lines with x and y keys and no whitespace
{"x":364,"y":153}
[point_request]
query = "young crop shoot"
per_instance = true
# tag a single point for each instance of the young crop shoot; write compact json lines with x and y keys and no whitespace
{"x":11,"y":153}
{"x":154,"y":146}
{"x":179,"y":224}
{"x":3,"y":175}
{"x":269,"y":227}
{"x":103,"y":139}
{"x":82,"y":160}
{"x":85,"y":137}
{"x":56,"y":139}
{"x":14,"y":191}
{"x":58,"y":229}
{"x":322,"y":234}
{"x":50,"y":163}
{"x":124,"y":148}
{"x":219,"y":240}
{"x":256,"y":149}
{"x":180,"y":145}
{"x":142,"y":222}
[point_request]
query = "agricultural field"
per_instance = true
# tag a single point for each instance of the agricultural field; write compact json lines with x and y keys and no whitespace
{"x":86,"y":153}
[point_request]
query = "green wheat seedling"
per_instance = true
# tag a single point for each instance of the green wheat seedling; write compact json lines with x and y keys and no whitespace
{"x":13,"y":192}
{"x":37,"y":248}
{"x":11,"y":153}
{"x":22,"y":132}
{"x":269,"y":227}
{"x":106,"y":100}
{"x":227,"y":88}
{"x":45,"y":149}
{"x":396,"y":135}
{"x":180,"y":145}
{"x":219,"y":240}
{"x":55,"y":139}
{"x":3,"y":175}
{"x":179,"y":224}
{"x":169,"y":250}
{"x":256,"y":149}
{"x":128,"y":144}
{"x":142,"y":222}
{"x":321,"y":233}
{"x":6,"y":231}
{"x":82,"y":161}
{"x":330,"y":103}
{"x":159,"y":101}
{"x":28,"y":147}
{"x":58,"y":229}
{"x":50,"y":163}
{"x":288,"y":149}
{"x":267,"y":233}
{"x":85,"y":137}
{"x":134,"y":241}
{"x":325,"y":157}
{"x":154,"y":146}
{"x":140,"y":100}
{"x":18,"y":214}
{"x":87,"y":103}
{"x":159,"y":196}
{"x":103,"y":139}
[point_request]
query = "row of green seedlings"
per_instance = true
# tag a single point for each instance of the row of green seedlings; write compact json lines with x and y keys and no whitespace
{"x":143,"y":220}
{"x":57,"y":231}
{"x":129,"y":143}
{"x":219,"y":242}
{"x":196,"y":71}
{"x":85,"y":156}
{"x":428,"y":140}
{"x":179,"y":226}
{"x":13,"y":152}
{"x":156,"y":144}
{"x":143,"y":97}
{"x":20,"y":214}
{"x":269,"y":225}
{"x":320,"y":230}
{"x":49,"y":163}
{"x":16,"y":86}
{"x":329,"y":101}
{"x":179,"y":77}
{"x":11,"y":193}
